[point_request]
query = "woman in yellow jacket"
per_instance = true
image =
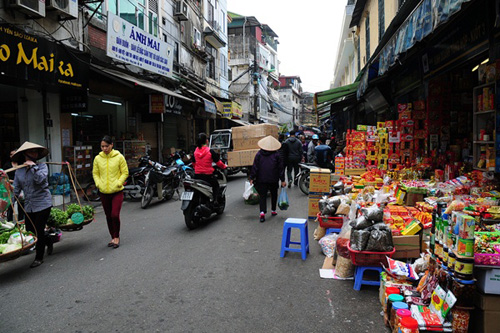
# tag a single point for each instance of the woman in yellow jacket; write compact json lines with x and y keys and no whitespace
{"x":110,"y":172}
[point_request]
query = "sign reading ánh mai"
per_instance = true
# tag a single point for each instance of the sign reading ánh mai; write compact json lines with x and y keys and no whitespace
{"x":36,"y":60}
{"x":128,"y":43}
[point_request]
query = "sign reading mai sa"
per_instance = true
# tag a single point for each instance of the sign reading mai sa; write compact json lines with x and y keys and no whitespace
{"x":31,"y":57}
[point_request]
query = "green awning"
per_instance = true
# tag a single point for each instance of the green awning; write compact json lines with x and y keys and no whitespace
{"x":330,"y":96}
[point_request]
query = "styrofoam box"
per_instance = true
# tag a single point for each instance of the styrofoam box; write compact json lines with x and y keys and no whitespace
{"x":488,"y":280}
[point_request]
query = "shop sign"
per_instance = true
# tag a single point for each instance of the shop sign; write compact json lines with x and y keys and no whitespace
{"x":74,"y":103}
{"x":127,"y":43}
{"x":36,"y":60}
{"x":232,"y":110}
{"x":172,"y":105}
{"x":210,"y":107}
{"x":263,"y":58}
{"x":156,"y":103}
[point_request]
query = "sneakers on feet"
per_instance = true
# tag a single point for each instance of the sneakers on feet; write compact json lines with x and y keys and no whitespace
{"x":262,"y":217}
{"x":36,"y":263}
{"x":274,"y":213}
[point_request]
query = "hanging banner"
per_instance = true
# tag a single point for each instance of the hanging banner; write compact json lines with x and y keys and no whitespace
{"x":35,"y":60}
{"x":130,"y":44}
{"x":226,"y":112}
{"x":232,"y":110}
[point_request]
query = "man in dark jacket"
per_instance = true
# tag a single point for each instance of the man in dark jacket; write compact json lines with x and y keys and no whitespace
{"x":293,"y":153}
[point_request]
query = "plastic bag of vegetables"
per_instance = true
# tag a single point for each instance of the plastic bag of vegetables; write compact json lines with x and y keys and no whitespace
{"x":283,"y":203}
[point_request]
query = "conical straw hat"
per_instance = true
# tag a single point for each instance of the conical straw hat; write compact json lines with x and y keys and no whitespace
{"x":269,"y":143}
{"x":40,"y":150}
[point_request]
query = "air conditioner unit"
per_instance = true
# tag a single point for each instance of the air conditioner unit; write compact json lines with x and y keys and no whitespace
{"x":30,"y":7}
{"x":65,"y":8}
{"x":181,"y":10}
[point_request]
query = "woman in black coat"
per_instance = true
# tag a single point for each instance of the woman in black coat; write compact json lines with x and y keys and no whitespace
{"x":267,"y":171}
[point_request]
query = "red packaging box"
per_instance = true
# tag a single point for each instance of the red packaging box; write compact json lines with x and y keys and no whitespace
{"x":421,"y":134}
{"x":394,"y":158}
{"x":405,"y":115}
{"x":419,"y":105}
{"x":420,"y":114}
{"x":390,"y":125}
{"x":404,"y":107}
{"x":407,"y":138}
{"x":407,"y":123}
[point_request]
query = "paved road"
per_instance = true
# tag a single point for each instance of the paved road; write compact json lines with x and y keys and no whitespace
{"x":224,"y":277}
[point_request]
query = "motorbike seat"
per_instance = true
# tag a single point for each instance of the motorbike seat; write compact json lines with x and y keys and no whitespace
{"x":202,"y":182}
{"x":132,"y":171}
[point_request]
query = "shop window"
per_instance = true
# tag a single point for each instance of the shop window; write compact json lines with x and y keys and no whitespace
{"x":223,"y":65}
{"x":210,"y":15}
{"x":381,"y":19}
{"x":98,"y":7}
{"x":211,"y":61}
{"x":153,"y":17}
{"x":196,"y":37}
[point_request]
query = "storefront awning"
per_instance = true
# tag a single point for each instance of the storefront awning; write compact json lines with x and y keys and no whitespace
{"x":142,"y":83}
{"x":414,"y":21}
{"x":326,"y":97}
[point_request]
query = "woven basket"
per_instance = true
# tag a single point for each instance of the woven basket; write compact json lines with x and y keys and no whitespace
{"x":71,"y":227}
{"x":17,"y":253}
{"x":87,"y":221}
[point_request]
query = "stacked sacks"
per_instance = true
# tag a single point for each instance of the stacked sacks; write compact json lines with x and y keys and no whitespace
{"x":334,"y":206}
{"x":369,"y":233}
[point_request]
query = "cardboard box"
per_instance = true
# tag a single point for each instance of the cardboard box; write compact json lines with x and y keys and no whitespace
{"x":313,"y":208}
{"x":485,"y":321}
{"x":487,"y":302}
{"x":320,"y":180}
{"x":488,"y":280}
{"x":254,"y":131}
{"x":241,"y":157}
{"x":406,"y":246}
{"x":245,"y":144}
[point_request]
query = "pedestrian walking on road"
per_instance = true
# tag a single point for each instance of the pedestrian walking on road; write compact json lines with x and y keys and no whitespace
{"x":110,"y":172}
{"x":267,"y":171}
{"x":293,"y":152}
{"x":33,"y":181}
{"x":311,"y":154}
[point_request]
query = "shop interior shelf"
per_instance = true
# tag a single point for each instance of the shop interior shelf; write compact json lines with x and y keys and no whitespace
{"x":484,"y":169}
{"x":485,"y":142}
{"x":484,"y":112}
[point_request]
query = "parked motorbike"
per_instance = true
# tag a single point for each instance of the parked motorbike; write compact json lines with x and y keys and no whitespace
{"x":136,"y":182}
{"x":184,"y":170}
{"x":198,"y":199}
{"x":161,"y":182}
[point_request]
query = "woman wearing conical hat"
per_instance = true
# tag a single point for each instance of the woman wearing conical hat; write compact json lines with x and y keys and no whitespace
{"x":33,"y":181}
{"x":267,"y":171}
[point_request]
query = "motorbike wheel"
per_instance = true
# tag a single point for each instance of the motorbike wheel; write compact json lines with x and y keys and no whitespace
{"x":192,"y":221}
{"x":222,"y":205}
{"x":147,"y":196}
{"x":91,"y":192}
{"x":168,"y":192}
{"x":304,"y":183}
{"x":137,"y":196}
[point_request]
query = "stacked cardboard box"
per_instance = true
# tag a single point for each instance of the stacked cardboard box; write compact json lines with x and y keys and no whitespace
{"x":319,"y":185}
{"x":245,"y":139}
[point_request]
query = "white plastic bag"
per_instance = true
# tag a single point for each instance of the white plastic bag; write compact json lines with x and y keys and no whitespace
{"x":248,"y":190}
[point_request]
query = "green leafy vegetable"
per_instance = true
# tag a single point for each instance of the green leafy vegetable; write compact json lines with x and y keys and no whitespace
{"x":73,"y":208}
{"x":88,"y":212}
{"x":57,"y":217}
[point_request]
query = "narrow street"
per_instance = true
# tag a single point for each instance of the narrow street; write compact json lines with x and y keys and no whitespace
{"x":224,"y":277}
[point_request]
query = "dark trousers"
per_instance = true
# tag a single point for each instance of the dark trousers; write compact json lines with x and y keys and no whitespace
{"x":20,"y":211}
{"x":35,"y":222}
{"x":262,"y":188}
{"x":292,"y":164}
{"x":112,"y":204}
{"x":212,"y":180}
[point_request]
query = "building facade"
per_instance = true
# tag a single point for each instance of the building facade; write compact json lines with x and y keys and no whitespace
{"x":290,"y":100}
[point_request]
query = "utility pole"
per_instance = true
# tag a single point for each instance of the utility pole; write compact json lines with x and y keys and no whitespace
{"x":256,"y":88}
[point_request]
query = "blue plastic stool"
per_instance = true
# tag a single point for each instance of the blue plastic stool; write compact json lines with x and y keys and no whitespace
{"x":301,"y":224}
{"x":358,"y":276}
{"x":332,"y":230}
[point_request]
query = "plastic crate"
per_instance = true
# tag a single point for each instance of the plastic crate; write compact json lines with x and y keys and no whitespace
{"x":367,"y":258}
{"x":488,"y":259}
{"x":330,"y":221}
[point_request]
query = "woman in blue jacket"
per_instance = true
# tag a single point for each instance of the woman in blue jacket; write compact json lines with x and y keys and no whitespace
{"x":267,"y":171}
